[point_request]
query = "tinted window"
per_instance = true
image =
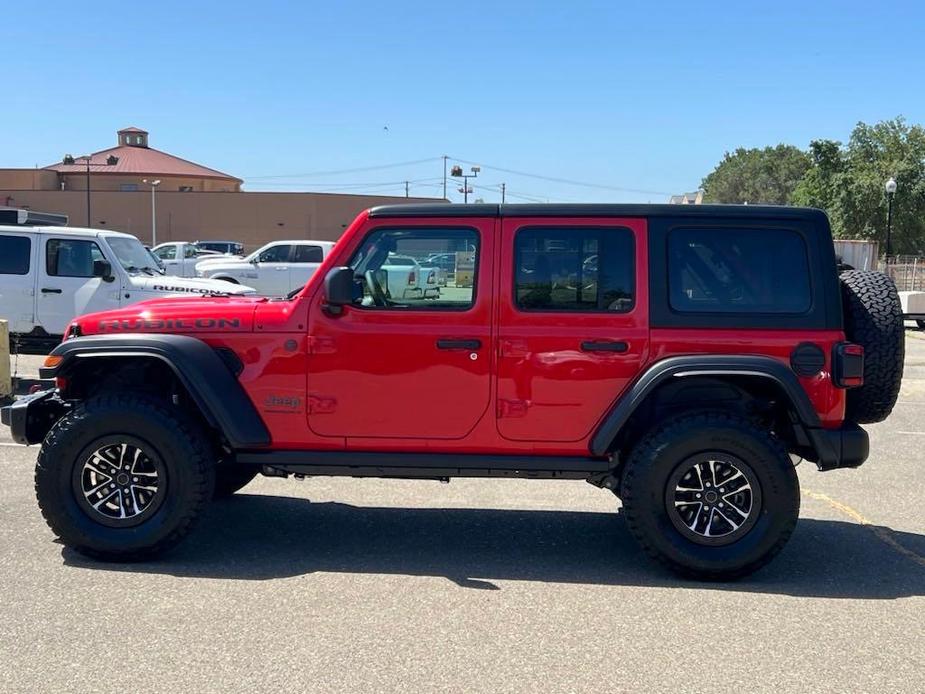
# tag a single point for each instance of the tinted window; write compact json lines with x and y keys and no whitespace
{"x":388,"y":278}
{"x":71,"y":258}
{"x":738,"y":270}
{"x":14,"y":255}
{"x":276,"y":254}
{"x":166,"y":253}
{"x":574,"y":269}
{"x":308,"y":254}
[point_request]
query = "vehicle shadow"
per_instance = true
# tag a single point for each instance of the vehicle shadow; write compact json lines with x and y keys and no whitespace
{"x":257,"y":537}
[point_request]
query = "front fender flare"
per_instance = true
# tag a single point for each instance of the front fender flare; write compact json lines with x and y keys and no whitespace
{"x":210,"y":383}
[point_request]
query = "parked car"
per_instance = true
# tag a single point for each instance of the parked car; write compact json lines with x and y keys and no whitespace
{"x":51,"y":274}
{"x":715,"y":345}
{"x":223,"y":247}
{"x":180,"y":257}
{"x":273,"y":270}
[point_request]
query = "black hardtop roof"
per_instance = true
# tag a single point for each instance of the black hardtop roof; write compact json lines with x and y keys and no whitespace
{"x":596,"y":210}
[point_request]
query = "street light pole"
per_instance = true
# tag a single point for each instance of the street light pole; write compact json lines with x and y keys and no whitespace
{"x":890,"y":187}
{"x":87,"y":160}
{"x":68,"y":160}
{"x":154,"y":185}
{"x":457,"y":172}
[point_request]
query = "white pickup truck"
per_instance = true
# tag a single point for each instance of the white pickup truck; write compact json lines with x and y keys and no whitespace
{"x":406,"y":279}
{"x":273,"y":270}
{"x":50,"y":274}
{"x":180,"y":257}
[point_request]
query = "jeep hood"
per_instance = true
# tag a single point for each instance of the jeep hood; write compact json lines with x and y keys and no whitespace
{"x":174,"y":315}
{"x":168,"y":284}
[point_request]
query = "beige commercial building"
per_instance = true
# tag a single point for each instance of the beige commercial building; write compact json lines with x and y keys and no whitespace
{"x":193,"y":202}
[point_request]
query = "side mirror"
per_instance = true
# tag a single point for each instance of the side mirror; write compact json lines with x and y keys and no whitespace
{"x":338,"y":289}
{"x":103,"y":269}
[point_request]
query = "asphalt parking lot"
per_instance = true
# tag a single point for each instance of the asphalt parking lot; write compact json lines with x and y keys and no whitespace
{"x":495,"y":586}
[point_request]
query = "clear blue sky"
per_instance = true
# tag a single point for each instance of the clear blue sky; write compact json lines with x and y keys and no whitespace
{"x":643,"y":98}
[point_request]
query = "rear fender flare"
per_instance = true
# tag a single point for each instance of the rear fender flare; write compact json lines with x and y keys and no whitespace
{"x":710,"y":365}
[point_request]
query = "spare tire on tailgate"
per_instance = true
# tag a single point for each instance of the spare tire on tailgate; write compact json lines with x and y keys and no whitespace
{"x":874,"y":319}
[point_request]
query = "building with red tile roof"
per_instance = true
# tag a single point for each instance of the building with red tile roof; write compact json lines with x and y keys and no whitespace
{"x":124,"y":166}
{"x":194,"y":202}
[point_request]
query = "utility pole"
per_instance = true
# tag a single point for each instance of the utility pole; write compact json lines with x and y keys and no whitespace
{"x":88,"y":191}
{"x":444,"y":176}
{"x":503,"y":187}
{"x":406,"y":189}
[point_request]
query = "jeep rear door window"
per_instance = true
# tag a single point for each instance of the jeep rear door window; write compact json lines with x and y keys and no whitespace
{"x":392,"y":271}
{"x":574,"y":269}
{"x":15,"y":252}
{"x":71,"y":258}
{"x":308,"y":254}
{"x":727,"y":270}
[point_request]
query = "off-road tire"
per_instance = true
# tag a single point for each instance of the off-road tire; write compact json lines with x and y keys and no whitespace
{"x":874,"y":319}
{"x":231,"y":477}
{"x":182,"y":447}
{"x":662,"y":452}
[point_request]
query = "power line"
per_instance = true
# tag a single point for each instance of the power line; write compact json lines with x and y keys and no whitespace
{"x":567,"y":181}
{"x":338,"y":172}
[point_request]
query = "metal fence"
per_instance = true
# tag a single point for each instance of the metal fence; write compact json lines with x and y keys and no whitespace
{"x":907,"y":271}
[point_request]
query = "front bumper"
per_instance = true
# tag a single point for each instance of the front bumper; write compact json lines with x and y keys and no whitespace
{"x":31,"y":417}
{"x":847,"y":446}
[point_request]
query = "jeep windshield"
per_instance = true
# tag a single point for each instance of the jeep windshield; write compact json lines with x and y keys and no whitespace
{"x":132,"y":255}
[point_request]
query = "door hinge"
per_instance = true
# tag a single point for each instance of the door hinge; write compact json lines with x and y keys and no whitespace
{"x":321,"y":345}
{"x":321,"y":404}
{"x":513,"y":408}
{"x":513,"y":348}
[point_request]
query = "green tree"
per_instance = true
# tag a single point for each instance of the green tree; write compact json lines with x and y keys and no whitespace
{"x":767,"y":175}
{"x":848,"y":182}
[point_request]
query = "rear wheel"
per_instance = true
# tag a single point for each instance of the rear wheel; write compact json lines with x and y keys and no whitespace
{"x":123,"y":477}
{"x":711,"y":496}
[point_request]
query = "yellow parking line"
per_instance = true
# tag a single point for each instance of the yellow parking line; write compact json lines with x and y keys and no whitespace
{"x":885,"y":535}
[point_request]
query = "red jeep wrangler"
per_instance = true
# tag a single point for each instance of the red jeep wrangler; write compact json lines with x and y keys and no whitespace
{"x":681,"y":357}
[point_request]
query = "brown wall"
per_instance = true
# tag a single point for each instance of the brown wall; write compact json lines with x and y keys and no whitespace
{"x":252,"y":218}
{"x":28,"y":179}
{"x":78,"y":181}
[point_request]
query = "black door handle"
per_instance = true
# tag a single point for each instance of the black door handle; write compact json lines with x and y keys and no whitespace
{"x":49,"y":290}
{"x":604,"y":346}
{"x":459,"y":344}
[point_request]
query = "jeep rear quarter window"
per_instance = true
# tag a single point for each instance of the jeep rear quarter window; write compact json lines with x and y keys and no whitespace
{"x":14,"y":255}
{"x":722,"y":270}
{"x":574,"y":269}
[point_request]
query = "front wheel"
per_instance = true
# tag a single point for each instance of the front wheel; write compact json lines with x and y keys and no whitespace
{"x":123,"y":477}
{"x":711,"y":496}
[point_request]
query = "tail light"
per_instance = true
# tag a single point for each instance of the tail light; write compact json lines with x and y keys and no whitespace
{"x":412,"y":278}
{"x":432,"y":277}
{"x":848,"y":365}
